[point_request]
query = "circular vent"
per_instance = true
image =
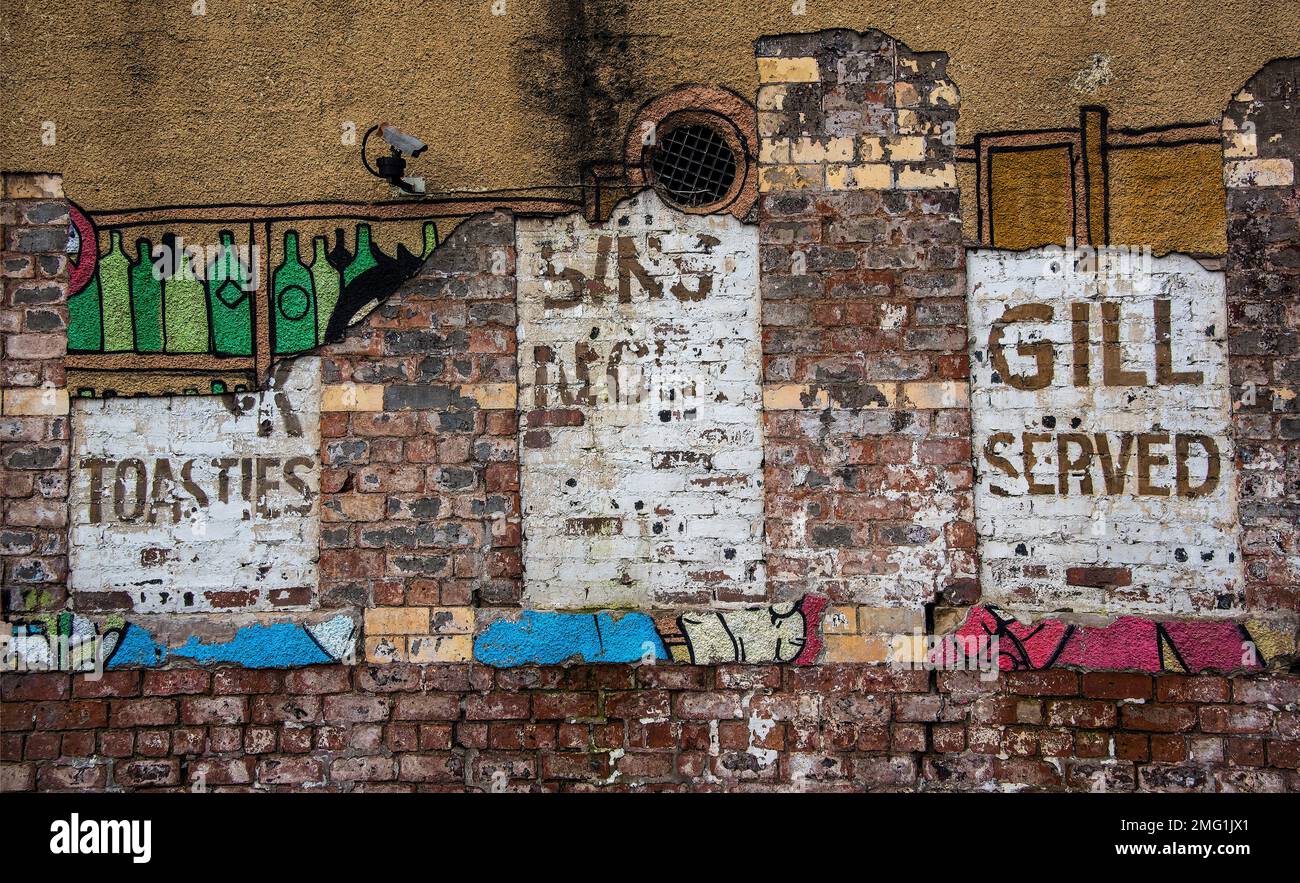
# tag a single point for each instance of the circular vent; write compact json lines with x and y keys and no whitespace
{"x":693,"y":165}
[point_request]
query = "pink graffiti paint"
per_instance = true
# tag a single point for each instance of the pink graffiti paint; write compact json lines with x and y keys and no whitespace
{"x":82,"y":265}
{"x":1019,"y":646}
{"x":1130,"y":642}
{"x":1210,"y":645}
{"x":811,"y":606}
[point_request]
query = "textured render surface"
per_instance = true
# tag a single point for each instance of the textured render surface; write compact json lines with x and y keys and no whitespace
{"x":519,"y":99}
{"x":1167,"y":199}
{"x":1105,"y":479}
{"x":639,"y":408}
{"x":1033,"y":201}
{"x":198,"y":503}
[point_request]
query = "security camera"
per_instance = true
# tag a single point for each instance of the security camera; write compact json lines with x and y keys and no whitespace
{"x":402,"y":143}
{"x":392,"y":168}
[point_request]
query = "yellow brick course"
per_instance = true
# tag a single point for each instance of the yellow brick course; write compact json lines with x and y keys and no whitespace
{"x":861,"y":176}
{"x":788,"y":70}
{"x":440,"y":648}
{"x":790,"y":177}
{"x":492,"y":396}
{"x":857,"y":648}
{"x":46,"y":401}
{"x":352,"y":397}
{"x":397,"y":621}
{"x":790,"y":396}
{"x":938,"y":394}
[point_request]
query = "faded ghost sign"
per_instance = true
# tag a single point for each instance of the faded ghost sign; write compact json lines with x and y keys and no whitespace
{"x":199,"y":502}
{"x":1100,"y":405}
{"x":639,"y":409}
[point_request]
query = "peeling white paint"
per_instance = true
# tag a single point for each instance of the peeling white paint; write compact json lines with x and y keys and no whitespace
{"x":1179,"y":542}
{"x":182,"y":544}
{"x":639,"y":405}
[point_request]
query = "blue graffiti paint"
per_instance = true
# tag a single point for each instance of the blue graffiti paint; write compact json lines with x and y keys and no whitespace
{"x":280,"y":645}
{"x":548,"y":638}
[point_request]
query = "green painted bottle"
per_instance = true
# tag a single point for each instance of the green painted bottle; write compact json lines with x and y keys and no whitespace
{"x":325,"y":282}
{"x":295,"y":302}
{"x":146,"y":300}
{"x":115,"y":288}
{"x":363,"y":260}
{"x":229,"y":303}
{"x":85,"y":321}
{"x":430,"y":240}
{"x":185,"y":307}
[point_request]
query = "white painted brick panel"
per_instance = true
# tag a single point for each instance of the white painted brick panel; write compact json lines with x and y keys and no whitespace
{"x":656,"y":499}
{"x":264,"y":538}
{"x":1180,"y":549}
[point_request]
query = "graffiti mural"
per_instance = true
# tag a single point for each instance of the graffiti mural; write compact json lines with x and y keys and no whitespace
{"x":1160,"y":186}
{"x":273,"y":645}
{"x":62,"y":641}
{"x":70,"y":642}
{"x":805,"y":344}
{"x":186,"y":314}
{"x":544,"y":637}
{"x":1129,"y":642}
{"x":787,"y":632}
{"x":201,"y":299}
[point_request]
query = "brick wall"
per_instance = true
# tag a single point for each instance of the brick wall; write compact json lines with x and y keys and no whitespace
{"x":1261,"y":164}
{"x":420,"y":482}
{"x":867,"y":469}
{"x":34,"y":405}
{"x":868,"y":483}
{"x":665,"y":727}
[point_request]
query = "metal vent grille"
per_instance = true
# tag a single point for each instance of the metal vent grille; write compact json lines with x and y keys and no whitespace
{"x":693,"y":165}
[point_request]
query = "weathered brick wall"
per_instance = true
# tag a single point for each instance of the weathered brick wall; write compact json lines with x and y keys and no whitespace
{"x":420,"y":485}
{"x":868,"y":499}
{"x":1262,"y":174}
{"x":867,"y":468}
{"x":661,"y":727}
{"x":34,"y":406}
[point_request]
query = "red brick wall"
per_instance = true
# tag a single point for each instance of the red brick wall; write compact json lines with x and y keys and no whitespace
{"x":867,"y":462}
{"x":1263,"y":286}
{"x":666,"y":727}
{"x":34,"y":408}
{"x":420,"y":482}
